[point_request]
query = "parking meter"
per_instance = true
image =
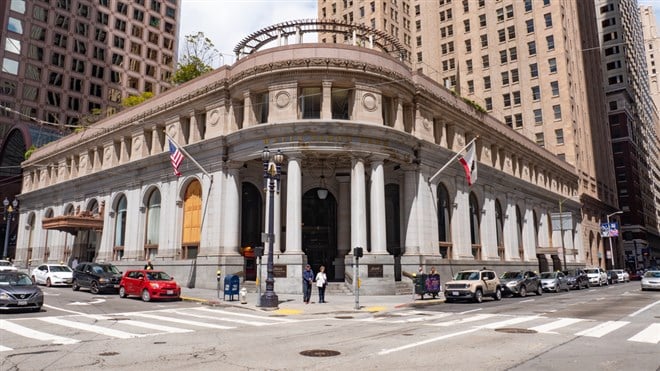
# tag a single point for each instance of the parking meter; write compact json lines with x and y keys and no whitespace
{"x":218,"y":275}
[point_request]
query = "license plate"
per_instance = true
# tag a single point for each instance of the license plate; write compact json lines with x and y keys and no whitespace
{"x":455,"y":293}
{"x":22,"y":302}
{"x":170,"y":292}
{"x":116,"y":286}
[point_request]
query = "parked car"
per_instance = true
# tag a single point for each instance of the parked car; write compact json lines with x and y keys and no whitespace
{"x":612,"y":277}
{"x":623,"y":275}
{"x":577,"y":279}
{"x":473,"y":285}
{"x":6,"y":265}
{"x":149,"y":284}
{"x":97,"y":277}
{"x":554,"y":281}
{"x":651,"y":280}
{"x":520,"y":283}
{"x":596,"y":276}
{"x":52,"y":274}
{"x":17,"y":291}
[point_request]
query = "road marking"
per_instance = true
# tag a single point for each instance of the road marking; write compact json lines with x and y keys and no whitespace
{"x":470,"y":311}
{"x":34,"y":334}
{"x":602,"y":329}
{"x":5,"y":349}
{"x":91,"y":328}
{"x":422,"y":319}
{"x":643,"y":309}
{"x":182,"y":321}
{"x":65,"y":310}
{"x":135,"y":323}
{"x":650,"y":334}
{"x":234,"y":320}
{"x":549,"y":327}
{"x":474,"y":318}
{"x":508,"y":322}
{"x":97,"y":301}
{"x":275,"y":319}
{"x":526,"y":301}
{"x":427,"y":341}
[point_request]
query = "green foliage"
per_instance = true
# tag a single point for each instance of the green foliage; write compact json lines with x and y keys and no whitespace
{"x":474,"y":105}
{"x":198,"y":55}
{"x":134,"y":100}
{"x":29,"y":152}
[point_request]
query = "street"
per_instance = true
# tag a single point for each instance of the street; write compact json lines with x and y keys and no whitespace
{"x":608,"y":328}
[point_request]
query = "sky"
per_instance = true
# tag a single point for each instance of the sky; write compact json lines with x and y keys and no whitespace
{"x":226,"y":22}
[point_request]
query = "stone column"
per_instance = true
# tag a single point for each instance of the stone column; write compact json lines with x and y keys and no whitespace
{"x":293,"y":205}
{"x":398,"y":114}
{"x":358,"y":205}
{"x":326,"y":101}
{"x":231,"y":210}
{"x":411,"y":239}
{"x":377,"y":208}
{"x":248,"y":113}
{"x":343,"y":224}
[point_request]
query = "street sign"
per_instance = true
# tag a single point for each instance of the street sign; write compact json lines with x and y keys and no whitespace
{"x":563,"y":221}
{"x":604,"y":230}
{"x":614,"y":229}
{"x":609,"y":230}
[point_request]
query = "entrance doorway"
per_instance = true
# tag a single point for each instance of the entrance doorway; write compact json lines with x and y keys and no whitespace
{"x":251,"y":227}
{"x":319,"y":231}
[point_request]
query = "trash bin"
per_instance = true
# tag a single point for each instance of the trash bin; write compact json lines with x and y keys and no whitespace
{"x":232,"y":286}
{"x":420,"y":284}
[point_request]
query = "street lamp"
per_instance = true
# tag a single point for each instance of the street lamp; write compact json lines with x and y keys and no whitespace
{"x":272,"y":172}
{"x":9,"y":212}
{"x":609,"y":235}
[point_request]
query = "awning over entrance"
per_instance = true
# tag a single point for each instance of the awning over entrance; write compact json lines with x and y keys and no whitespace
{"x":73,"y":223}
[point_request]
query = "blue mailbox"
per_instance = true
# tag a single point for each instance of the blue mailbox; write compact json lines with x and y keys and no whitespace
{"x":232,"y":286}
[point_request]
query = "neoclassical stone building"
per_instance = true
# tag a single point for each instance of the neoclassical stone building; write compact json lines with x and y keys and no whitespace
{"x":351,"y":119}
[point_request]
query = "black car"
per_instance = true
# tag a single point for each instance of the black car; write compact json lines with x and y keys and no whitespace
{"x":18,"y":291}
{"x":612,"y":277}
{"x":97,"y":277}
{"x":520,"y":283}
{"x":577,"y":279}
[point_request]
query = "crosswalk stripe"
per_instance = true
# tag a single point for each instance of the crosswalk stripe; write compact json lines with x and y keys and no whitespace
{"x":234,"y":320}
{"x":508,"y":322}
{"x":34,"y":334}
{"x":274,"y":319}
{"x":477,"y":317}
{"x":651,"y":334}
{"x":90,"y":328}
{"x":152,"y":326}
{"x":421,"y":319}
{"x":549,"y":327}
{"x":602,"y":329}
{"x":5,"y":349}
{"x":182,"y":321}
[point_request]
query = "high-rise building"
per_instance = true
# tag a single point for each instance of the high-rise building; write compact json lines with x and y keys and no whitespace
{"x":534,"y":65}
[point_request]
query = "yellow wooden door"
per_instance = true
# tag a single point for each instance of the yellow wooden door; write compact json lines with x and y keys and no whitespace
{"x":192,"y":214}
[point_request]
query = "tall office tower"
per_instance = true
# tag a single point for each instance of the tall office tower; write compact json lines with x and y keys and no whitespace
{"x":632,"y":118}
{"x":532,"y":64}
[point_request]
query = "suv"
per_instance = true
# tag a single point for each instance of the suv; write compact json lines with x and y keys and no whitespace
{"x":597,"y":276}
{"x":521,"y":282}
{"x":473,"y":285}
{"x":577,"y":278}
{"x":96,"y":277}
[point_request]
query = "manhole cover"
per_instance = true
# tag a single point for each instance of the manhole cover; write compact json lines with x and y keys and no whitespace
{"x":320,"y":353}
{"x":515,"y":330}
{"x":104,"y":354}
{"x":344,"y":317}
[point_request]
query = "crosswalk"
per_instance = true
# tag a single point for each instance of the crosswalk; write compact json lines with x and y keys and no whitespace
{"x":630,"y":331}
{"x":75,"y":328}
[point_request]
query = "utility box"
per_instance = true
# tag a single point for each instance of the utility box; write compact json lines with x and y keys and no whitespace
{"x":232,"y":287}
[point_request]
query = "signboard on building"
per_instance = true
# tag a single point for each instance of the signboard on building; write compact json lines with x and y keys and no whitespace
{"x":609,"y":230}
{"x":562,"y":221}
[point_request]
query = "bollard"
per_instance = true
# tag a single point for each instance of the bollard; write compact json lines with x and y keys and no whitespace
{"x":243,"y":295}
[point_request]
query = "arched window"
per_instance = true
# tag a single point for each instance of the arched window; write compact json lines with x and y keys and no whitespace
{"x":499,"y":229}
{"x":120,"y":228}
{"x":475,"y":226}
{"x":192,"y":220}
{"x":519,"y":230}
{"x":153,"y":225}
{"x":444,"y":222}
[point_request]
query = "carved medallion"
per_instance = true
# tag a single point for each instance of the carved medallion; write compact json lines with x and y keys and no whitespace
{"x":214,"y":117}
{"x":369,"y":102}
{"x":282,"y":99}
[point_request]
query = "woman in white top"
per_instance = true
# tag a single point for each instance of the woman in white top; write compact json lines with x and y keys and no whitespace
{"x":321,"y":282}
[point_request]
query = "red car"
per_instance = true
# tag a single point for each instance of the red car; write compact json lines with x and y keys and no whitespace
{"x":149,"y":285}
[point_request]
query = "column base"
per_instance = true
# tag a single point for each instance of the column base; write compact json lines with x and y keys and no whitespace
{"x":269,"y":300}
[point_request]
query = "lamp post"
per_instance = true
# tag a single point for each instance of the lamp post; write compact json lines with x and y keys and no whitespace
{"x":9,"y":212}
{"x":609,"y":235}
{"x":272,"y":172}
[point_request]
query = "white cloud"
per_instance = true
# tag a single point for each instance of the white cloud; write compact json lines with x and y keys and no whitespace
{"x":226,"y":22}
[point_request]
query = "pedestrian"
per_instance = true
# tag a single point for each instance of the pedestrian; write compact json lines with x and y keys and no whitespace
{"x":420,"y":270}
{"x":308,"y":278}
{"x":149,"y":266}
{"x":321,"y":283}
{"x":74,"y":263}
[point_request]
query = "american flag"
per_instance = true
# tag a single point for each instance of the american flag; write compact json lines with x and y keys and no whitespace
{"x":176,"y":157}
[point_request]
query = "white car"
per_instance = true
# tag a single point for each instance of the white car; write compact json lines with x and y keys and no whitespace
{"x":651,"y":280}
{"x":52,"y":274}
{"x":622,"y":275}
{"x":596,"y":276}
{"x":7,"y":266}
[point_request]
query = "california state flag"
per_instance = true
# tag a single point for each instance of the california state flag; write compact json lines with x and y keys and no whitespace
{"x":469,"y":162}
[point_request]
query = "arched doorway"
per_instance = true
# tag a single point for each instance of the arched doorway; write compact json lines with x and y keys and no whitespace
{"x":251,"y":227}
{"x":319,"y":231}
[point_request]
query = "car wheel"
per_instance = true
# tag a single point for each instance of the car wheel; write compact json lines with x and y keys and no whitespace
{"x":122,"y":292}
{"x":557,"y":289}
{"x":478,"y":296}
{"x":74,"y":285}
{"x":94,"y":288}
{"x":48,"y":283}
{"x":145,"y":295}
{"x":523,"y":292}
{"x":498,"y":294}
{"x":539,"y":290}
{"x":34,"y":279}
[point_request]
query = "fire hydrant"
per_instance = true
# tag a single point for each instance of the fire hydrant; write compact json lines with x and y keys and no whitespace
{"x":243,"y":295}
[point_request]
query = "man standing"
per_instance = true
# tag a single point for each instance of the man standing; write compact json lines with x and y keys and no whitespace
{"x":74,"y":263}
{"x":308,"y":278}
{"x":149,"y":266}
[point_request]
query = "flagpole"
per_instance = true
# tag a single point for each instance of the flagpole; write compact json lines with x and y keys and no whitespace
{"x":435,"y":176}
{"x":189,"y":157}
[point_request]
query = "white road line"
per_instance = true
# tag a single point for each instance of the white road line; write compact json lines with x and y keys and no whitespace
{"x":422,"y":319}
{"x":650,"y":334}
{"x":602,"y":329}
{"x":474,"y":318}
{"x":91,"y":328}
{"x":526,"y":301}
{"x":643,"y":309}
{"x":153,"y":326}
{"x":427,"y":341}
{"x":274,"y":319}
{"x":508,"y":322}
{"x":182,"y":321}
{"x":233,"y":320}
{"x":34,"y":334}
{"x":65,"y":310}
{"x":5,"y":349}
{"x":549,"y":327}
{"x":470,"y":311}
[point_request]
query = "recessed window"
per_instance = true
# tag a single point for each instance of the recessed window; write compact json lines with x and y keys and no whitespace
{"x":15,"y":25}
{"x":10,"y":66}
{"x":552,"y":63}
{"x":540,"y":140}
{"x":487,"y":82}
{"x":536,"y":92}
{"x":18,"y":6}
{"x":559,"y":135}
{"x":531,"y":47}
{"x":551,"y":42}
{"x":489,"y":104}
{"x":13,"y":45}
{"x":548,"y":19}
{"x":556,"y":109}
{"x":538,"y":116}
{"x":554,"y":85}
{"x":534,"y":70}
{"x":530,"y":25}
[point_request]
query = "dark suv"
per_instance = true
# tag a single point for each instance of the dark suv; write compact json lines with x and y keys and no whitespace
{"x":97,"y":277}
{"x":577,"y":278}
{"x":520,"y":283}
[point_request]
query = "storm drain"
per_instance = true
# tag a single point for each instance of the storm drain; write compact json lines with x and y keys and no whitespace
{"x":510,"y":330}
{"x":105,"y":354}
{"x":319,"y":353}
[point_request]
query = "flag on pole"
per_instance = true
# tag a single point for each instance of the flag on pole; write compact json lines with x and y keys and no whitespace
{"x":176,"y":157}
{"x":469,"y":162}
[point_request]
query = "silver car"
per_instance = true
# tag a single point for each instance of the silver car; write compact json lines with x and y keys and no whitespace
{"x":651,"y":280}
{"x":554,"y":281}
{"x":17,"y":291}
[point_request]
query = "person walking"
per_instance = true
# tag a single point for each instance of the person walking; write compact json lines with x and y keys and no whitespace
{"x":149,"y":266}
{"x":321,"y":283}
{"x":74,"y":263}
{"x":308,"y":278}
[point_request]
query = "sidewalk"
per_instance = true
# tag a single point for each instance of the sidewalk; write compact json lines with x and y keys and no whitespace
{"x":292,"y":304}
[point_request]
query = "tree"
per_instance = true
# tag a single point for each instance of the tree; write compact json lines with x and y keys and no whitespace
{"x":134,"y":100}
{"x":198,"y":54}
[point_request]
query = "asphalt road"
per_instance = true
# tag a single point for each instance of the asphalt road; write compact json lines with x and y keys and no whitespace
{"x":609,"y":328}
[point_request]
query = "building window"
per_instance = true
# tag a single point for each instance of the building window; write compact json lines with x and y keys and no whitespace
{"x":470,"y":86}
{"x":120,"y":222}
{"x":485,"y":61}
{"x":503,"y":56}
{"x":482,"y":20}
{"x":509,"y":11}
{"x":475,"y":213}
{"x":538,"y":116}
{"x":530,"y":25}
{"x":531,"y":47}
{"x":557,"y":111}
{"x":468,"y":46}
{"x":484,"y":41}
{"x":540,"y":140}
{"x":513,"y":54}
{"x":192,"y":210}
{"x":548,"y":19}
{"x":501,"y":34}
{"x":536,"y":92}
{"x":534,"y":70}
{"x":528,"y":5}
{"x":551,"y":42}
{"x":499,"y":225}
{"x":505,"y":78}
{"x":518,"y":120}
{"x":153,"y":225}
{"x":489,"y":104}
{"x":559,"y":135}
{"x":508,"y":120}
{"x":487,"y":82}
{"x":500,"y":14}
{"x":554,"y":85}
{"x":552,"y":63}
{"x":444,"y":214}
{"x":516,"y":98}
{"x":506,"y":98}
{"x":468,"y":65}
{"x":512,"y":32}
{"x":466,"y":25}
{"x":514,"y":75}
{"x":310,"y":103}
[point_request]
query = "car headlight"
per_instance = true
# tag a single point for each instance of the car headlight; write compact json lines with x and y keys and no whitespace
{"x":511,"y":284}
{"x":4,"y":296}
{"x":154,"y":285}
{"x":103,"y":280}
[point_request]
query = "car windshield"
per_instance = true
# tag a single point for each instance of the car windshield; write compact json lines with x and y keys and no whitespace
{"x":466,"y":276}
{"x":548,"y":275}
{"x":652,"y":274}
{"x":591,"y":271}
{"x":511,"y":275}
{"x":5,"y":263}
{"x":158,"y":276}
{"x":105,"y":268}
{"x":59,"y":268}
{"x":20,"y":279}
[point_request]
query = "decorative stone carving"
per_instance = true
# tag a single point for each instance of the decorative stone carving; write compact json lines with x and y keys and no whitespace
{"x":108,"y":154}
{"x":369,"y":102}
{"x":214,"y":117}
{"x":137,"y":143}
{"x":282,"y":99}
